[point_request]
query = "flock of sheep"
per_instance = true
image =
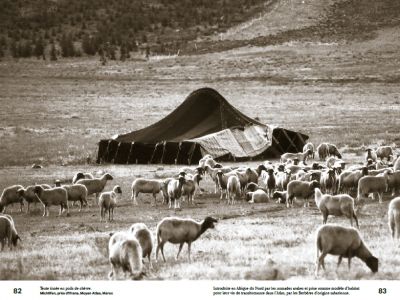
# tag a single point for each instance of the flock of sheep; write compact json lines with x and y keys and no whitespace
{"x":336,"y":188}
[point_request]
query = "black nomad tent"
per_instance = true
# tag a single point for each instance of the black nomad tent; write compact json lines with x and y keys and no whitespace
{"x":205,"y":123}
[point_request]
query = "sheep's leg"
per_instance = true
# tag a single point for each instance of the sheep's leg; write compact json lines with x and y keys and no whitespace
{"x":189,"y":246}
{"x":380,"y":197}
{"x":179,"y":251}
{"x":135,"y":198}
{"x":44,"y":210}
{"x":61,"y":209}
{"x":162,"y":252}
{"x":2,"y":244}
{"x":325,"y":218}
{"x":101,"y":214}
{"x":349,"y":262}
{"x":29,"y":204}
{"x":339,"y":261}
{"x":155,"y":199}
{"x":21,"y":205}
{"x":321,"y":260}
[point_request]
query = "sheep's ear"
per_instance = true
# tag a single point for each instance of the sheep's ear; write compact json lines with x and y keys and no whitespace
{"x":111,"y":234}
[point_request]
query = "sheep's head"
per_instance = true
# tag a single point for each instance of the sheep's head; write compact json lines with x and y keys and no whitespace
{"x":251,"y":187}
{"x":310,"y":152}
{"x":209,"y":222}
{"x":182,"y":173}
{"x":38,"y":189}
{"x":117,"y":189}
{"x":181,"y":180}
{"x":57,"y":183}
{"x":15,"y":239}
{"x":314,"y":176}
{"x":364,"y":171}
{"x":261,"y":167}
{"x":200,"y":170}
{"x":372,"y":263}
{"x":270,"y":172}
{"x":295,"y":161}
{"x":21,"y":192}
{"x":107,"y":176}
{"x":217,"y":165}
{"x":248,"y":196}
{"x":219,"y":173}
{"x":337,"y":153}
{"x":314,"y":184}
{"x":315,"y":166}
{"x":79,"y":175}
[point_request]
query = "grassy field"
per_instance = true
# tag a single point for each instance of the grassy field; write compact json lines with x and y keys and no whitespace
{"x":54,"y":113}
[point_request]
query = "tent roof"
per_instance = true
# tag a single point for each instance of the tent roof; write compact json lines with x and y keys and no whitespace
{"x":203,"y":112}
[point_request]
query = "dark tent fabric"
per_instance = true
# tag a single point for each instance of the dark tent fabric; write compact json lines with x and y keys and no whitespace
{"x":205,"y":123}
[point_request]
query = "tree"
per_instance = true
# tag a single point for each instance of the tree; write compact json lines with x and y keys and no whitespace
{"x":67,"y":46}
{"x":39,"y":48}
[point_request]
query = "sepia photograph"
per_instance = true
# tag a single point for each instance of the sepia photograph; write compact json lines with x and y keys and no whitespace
{"x":145,"y":141}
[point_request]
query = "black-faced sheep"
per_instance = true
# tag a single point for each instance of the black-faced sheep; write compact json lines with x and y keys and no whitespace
{"x":145,"y":239}
{"x":328,"y":181}
{"x":280,"y":197}
{"x":81,"y":175}
{"x":338,"y":205}
{"x":300,"y":189}
{"x":344,"y":242}
{"x":95,"y":185}
{"x":108,"y":201}
{"x":8,"y":232}
{"x":125,"y":253}
{"x":175,"y":191}
{"x":179,"y":231}
{"x":10,"y":195}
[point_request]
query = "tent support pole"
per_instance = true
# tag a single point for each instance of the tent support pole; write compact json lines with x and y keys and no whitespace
{"x":290,"y":141}
{"x":130,"y":153}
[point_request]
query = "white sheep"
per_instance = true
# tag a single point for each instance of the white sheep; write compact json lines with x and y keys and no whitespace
{"x":95,"y":185}
{"x":179,"y":231}
{"x":53,"y":196}
{"x":29,"y":195}
{"x":174,"y":190}
{"x":147,"y":186}
{"x":125,"y":253}
{"x":300,"y":189}
{"x":282,"y":179}
{"x":328,"y":181}
{"x":145,"y":239}
{"x":232,"y":188}
{"x":9,"y":196}
{"x":309,"y":146}
{"x":77,"y":192}
{"x":108,"y":201}
{"x":344,"y":242}
{"x":212,"y":172}
{"x":270,"y":182}
{"x":384,"y":152}
{"x":8,"y":232}
{"x":394,"y":218}
{"x":258,"y":196}
{"x":301,"y":156}
{"x":372,"y":184}
{"x":338,"y":205}
{"x":349,"y":180}
{"x":396,"y":165}
{"x":81,"y":175}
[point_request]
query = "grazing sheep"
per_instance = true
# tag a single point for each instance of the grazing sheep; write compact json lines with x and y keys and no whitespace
{"x":323,"y":151}
{"x":333,"y":150}
{"x":53,"y":196}
{"x":8,"y":232}
{"x":125,"y":252}
{"x":328,"y":181}
{"x":309,"y":146}
{"x":179,"y":231}
{"x":372,"y":184}
{"x":190,"y":186}
{"x":344,"y":242}
{"x":280,"y":196}
{"x":10,"y":195}
{"x":301,"y":156}
{"x":29,"y":195}
{"x":300,"y":189}
{"x":338,"y":205}
{"x":77,"y":192}
{"x":349,"y":180}
{"x":148,"y":186}
{"x":370,"y":155}
{"x":95,"y":185}
{"x":145,"y":239}
{"x":232,"y":188}
{"x":394,"y":218}
{"x":259,"y":196}
{"x":108,"y":201}
{"x":174,"y":189}
{"x":384,"y":152}
{"x":81,"y":175}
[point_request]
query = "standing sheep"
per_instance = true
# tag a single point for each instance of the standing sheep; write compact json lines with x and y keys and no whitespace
{"x":10,"y":195}
{"x":8,"y":232}
{"x":53,"y":196}
{"x":309,"y":146}
{"x":344,"y":242}
{"x":77,"y":192}
{"x":300,"y":189}
{"x":338,"y":205}
{"x":396,"y":165}
{"x":95,"y":185}
{"x":175,"y":191}
{"x":108,"y":201}
{"x":372,"y":184}
{"x":145,"y":239}
{"x":147,"y":186}
{"x":29,"y":195}
{"x":328,"y":181}
{"x":370,"y":155}
{"x":179,"y":231}
{"x":270,"y":182}
{"x":384,"y":152}
{"x":125,"y":253}
{"x":323,"y":151}
{"x":232,"y":188}
{"x":190,"y":186}
{"x":394,"y":218}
